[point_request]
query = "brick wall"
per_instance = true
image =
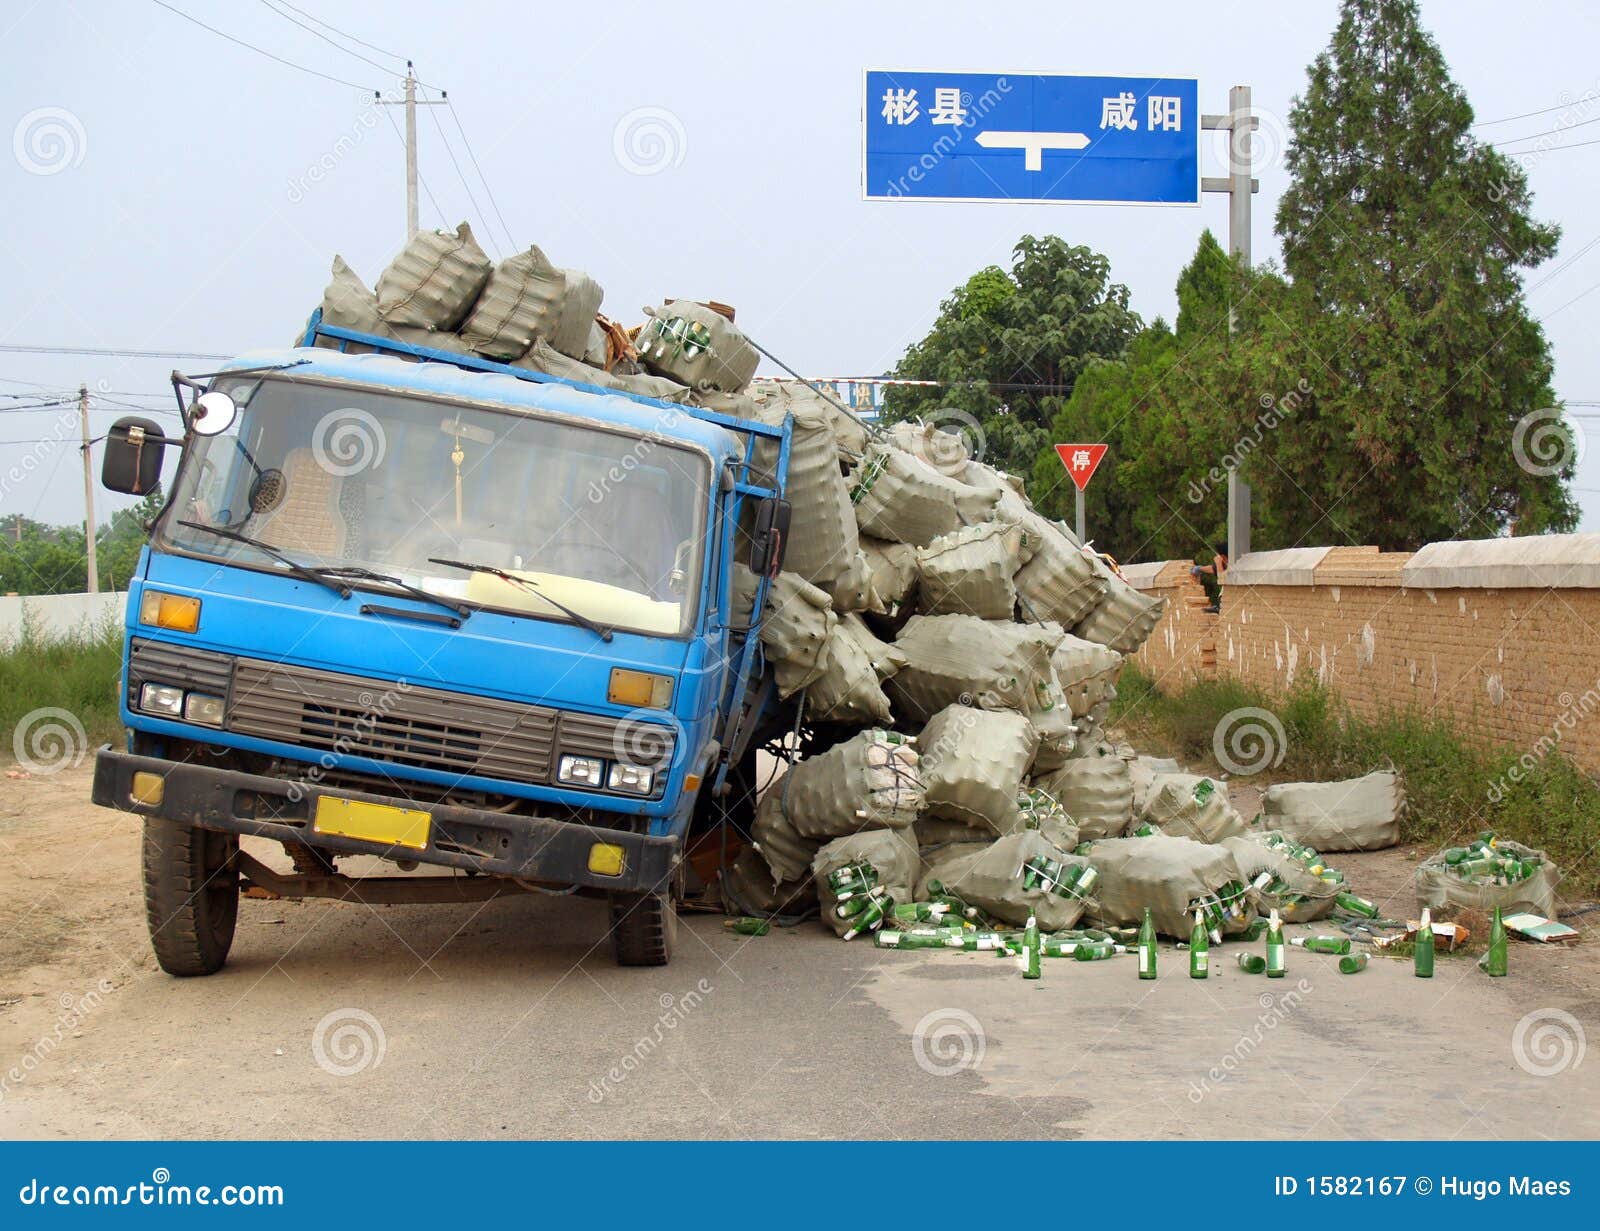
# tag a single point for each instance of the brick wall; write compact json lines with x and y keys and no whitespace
{"x":1502,"y":636}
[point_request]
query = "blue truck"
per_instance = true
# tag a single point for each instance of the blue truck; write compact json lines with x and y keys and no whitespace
{"x":408,"y":603}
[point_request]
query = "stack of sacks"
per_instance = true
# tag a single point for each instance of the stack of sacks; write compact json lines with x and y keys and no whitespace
{"x":443,"y":293}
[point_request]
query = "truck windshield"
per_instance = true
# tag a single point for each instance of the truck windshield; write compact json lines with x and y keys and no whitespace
{"x":607,"y":524}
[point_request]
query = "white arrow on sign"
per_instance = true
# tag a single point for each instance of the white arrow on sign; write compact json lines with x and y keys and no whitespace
{"x":1033,"y":145}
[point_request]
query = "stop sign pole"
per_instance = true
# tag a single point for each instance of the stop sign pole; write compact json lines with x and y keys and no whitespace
{"x":1081,"y":461}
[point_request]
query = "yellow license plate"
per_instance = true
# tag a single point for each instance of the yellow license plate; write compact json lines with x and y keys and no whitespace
{"x":381,"y":823}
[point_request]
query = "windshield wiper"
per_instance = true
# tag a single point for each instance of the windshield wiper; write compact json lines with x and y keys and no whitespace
{"x":593,"y":626}
{"x":359,"y":572}
{"x":299,"y":570}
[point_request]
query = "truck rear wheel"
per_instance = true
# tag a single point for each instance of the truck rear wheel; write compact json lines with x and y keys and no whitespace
{"x":644,"y":928}
{"x":191,"y":895}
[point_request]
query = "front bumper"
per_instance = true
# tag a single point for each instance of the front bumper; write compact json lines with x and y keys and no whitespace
{"x":494,"y":843}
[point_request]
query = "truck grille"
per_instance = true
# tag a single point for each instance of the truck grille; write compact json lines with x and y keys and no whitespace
{"x":423,"y":727}
{"x":403,"y":724}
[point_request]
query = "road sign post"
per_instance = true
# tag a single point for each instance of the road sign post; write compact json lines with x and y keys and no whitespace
{"x":1081,"y":461}
{"x":1031,"y":137}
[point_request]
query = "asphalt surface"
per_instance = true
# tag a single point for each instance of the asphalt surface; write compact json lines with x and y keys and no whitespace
{"x":508,"y":1019}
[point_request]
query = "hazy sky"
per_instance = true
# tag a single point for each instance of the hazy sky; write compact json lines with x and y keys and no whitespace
{"x":168,"y":189}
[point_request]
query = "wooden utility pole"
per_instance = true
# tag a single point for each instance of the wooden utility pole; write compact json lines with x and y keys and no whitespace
{"x":88,"y":490}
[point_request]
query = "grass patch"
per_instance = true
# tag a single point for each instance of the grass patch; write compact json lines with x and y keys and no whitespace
{"x":77,"y":672}
{"x":1455,"y":789}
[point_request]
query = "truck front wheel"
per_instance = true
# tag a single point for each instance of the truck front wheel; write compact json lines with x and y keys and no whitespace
{"x":644,"y":928}
{"x":191,"y":895}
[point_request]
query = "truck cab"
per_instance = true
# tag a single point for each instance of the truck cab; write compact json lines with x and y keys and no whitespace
{"x":440,"y":610}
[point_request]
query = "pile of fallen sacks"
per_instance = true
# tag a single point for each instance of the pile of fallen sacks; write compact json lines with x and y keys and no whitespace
{"x":956,"y":650}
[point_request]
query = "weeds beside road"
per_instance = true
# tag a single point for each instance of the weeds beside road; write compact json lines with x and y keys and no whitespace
{"x":77,"y":673}
{"x":1456,"y":789}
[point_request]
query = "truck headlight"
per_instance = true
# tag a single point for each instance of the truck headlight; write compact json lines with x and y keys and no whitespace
{"x":161,"y":699}
{"x":581,"y":771}
{"x":198,"y":707}
{"x":634,"y":779}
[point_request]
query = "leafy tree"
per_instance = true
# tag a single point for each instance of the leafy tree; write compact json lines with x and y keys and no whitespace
{"x":1008,"y":346}
{"x":118,"y":545}
{"x":1406,"y":240}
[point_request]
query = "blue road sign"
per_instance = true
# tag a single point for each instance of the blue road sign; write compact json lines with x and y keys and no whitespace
{"x":1025,"y":137}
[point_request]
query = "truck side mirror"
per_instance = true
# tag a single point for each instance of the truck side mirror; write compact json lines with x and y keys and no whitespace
{"x":770,"y":538}
{"x":133,"y":454}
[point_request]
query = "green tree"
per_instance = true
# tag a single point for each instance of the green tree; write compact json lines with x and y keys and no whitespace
{"x":119,"y":542}
{"x":1008,"y":346}
{"x":1406,"y":240}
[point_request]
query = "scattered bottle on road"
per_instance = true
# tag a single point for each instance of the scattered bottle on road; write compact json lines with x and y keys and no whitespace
{"x":1422,"y":950}
{"x":1322,"y":944}
{"x":1353,"y":964}
{"x":1199,"y":949}
{"x":747,"y":925}
{"x":1493,"y":962}
{"x":1147,"y":946}
{"x":1275,"y":947}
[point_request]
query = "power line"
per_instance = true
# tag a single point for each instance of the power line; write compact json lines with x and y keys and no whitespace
{"x":18,"y":348}
{"x":1554,"y":149}
{"x":476,"y":208}
{"x":258,"y":50}
{"x":327,"y":26}
{"x":453,"y":115}
{"x":1554,"y":132}
{"x":1525,"y":115}
{"x":318,"y":33}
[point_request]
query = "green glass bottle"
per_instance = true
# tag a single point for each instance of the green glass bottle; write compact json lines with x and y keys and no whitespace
{"x":1422,"y":949}
{"x":1353,"y":964}
{"x":852,"y":879}
{"x":1255,"y":931}
{"x":1199,"y":949}
{"x":1147,"y":946}
{"x":747,"y":925}
{"x":1356,"y":906}
{"x":1096,"y":951}
{"x":1275,"y":947}
{"x":1030,"y":949}
{"x":914,"y":938}
{"x":879,"y":907}
{"x":1322,"y":944}
{"x":1493,"y":962}
{"x":1252,"y":963}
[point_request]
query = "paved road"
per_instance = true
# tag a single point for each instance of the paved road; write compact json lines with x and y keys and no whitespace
{"x":509,"y":1020}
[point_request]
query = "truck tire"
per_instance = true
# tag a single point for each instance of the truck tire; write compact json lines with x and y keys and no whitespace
{"x":644,"y":928}
{"x":191,"y":896}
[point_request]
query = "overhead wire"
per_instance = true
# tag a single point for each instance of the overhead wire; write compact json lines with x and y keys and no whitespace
{"x":511,"y":242}
{"x":393,"y":55}
{"x":382,"y":68}
{"x":260,"y":51}
{"x":461,"y":175}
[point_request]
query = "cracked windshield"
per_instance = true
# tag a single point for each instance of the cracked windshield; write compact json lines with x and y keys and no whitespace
{"x":604,"y":523}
